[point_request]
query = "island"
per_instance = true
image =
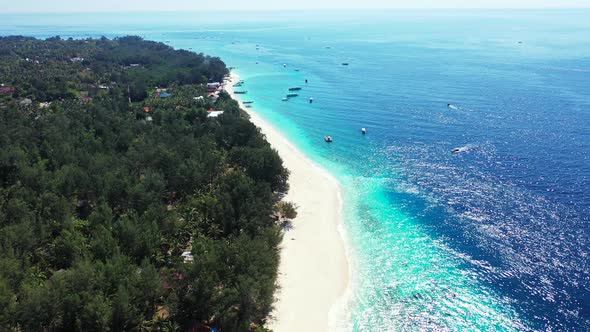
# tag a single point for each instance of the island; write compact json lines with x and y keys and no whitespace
{"x":135,"y":194}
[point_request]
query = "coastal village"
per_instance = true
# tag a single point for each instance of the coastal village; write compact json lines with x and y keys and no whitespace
{"x":183,"y":98}
{"x":60,"y":76}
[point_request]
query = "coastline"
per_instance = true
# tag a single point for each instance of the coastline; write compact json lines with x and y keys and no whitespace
{"x":313,"y":273}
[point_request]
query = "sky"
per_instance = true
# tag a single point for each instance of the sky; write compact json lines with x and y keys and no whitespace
{"x":23,"y":6}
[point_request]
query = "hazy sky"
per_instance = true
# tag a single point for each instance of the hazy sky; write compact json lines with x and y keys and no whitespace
{"x":195,"y":5}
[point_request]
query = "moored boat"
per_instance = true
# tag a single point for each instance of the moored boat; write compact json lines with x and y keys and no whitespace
{"x":292,"y":95}
{"x":241,"y":92}
{"x":295,"y":89}
{"x":328,"y":139}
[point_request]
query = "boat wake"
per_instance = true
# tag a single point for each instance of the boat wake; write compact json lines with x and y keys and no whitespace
{"x":454,"y":107}
{"x":461,"y":149}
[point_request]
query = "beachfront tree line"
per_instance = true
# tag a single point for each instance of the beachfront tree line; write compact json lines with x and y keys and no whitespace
{"x":130,"y":216}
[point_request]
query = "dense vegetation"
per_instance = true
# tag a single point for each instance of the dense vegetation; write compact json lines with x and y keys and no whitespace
{"x":100,"y":197}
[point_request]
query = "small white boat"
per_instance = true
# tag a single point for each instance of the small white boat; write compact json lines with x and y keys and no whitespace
{"x":285,"y":99}
{"x":364,"y":131}
{"x":328,"y":139}
{"x":310,"y":100}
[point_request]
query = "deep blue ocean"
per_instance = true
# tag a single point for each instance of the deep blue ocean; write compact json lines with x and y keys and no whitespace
{"x":493,"y":237}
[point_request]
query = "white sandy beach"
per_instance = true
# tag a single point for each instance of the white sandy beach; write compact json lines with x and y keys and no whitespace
{"x":313,"y":272}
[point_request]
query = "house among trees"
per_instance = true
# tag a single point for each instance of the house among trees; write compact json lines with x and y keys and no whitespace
{"x":214,"y":85}
{"x":188,"y":256}
{"x":7,"y":90}
{"x":44,"y":105}
{"x":214,"y":97}
{"x":26,"y":102}
{"x":211,"y":113}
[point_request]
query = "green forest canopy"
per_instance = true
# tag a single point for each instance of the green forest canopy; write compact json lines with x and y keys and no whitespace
{"x":123,"y":211}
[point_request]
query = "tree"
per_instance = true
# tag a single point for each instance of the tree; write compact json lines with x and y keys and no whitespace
{"x":286,"y":210}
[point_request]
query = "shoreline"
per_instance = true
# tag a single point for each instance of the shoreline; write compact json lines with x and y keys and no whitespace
{"x":313,"y":274}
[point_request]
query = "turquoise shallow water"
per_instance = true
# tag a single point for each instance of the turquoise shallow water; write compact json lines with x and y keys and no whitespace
{"x":495,"y":237}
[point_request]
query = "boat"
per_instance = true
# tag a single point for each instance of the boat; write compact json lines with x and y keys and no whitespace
{"x":295,"y":89}
{"x":292,"y":95}
{"x":285,"y":99}
{"x":238,"y":84}
{"x":248,"y":102}
{"x":296,"y":69}
{"x":310,"y":100}
{"x":364,"y":131}
{"x":247,"y":106}
{"x":462,"y":149}
{"x":345,"y":63}
{"x":328,"y":139}
{"x":241,"y":92}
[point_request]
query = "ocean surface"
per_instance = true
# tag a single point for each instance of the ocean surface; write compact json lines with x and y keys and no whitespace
{"x":494,"y":237}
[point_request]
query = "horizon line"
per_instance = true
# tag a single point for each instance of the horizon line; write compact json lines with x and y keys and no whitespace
{"x":262,"y":10}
